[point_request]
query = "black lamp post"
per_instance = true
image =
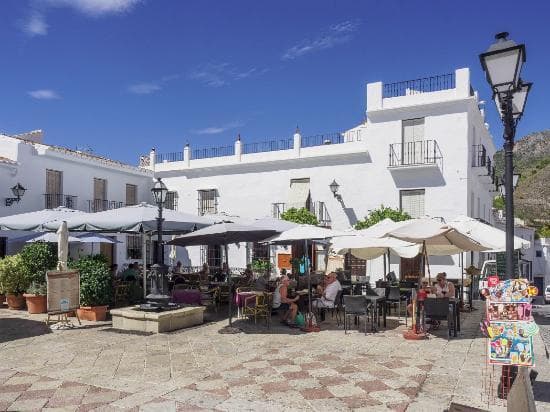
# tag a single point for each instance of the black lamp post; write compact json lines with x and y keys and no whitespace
{"x":502,"y":64}
{"x":334,"y":186}
{"x":18,"y":191}
{"x":159,"y":192}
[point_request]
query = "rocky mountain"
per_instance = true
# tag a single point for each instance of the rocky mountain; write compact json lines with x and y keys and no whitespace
{"x":532,"y":161}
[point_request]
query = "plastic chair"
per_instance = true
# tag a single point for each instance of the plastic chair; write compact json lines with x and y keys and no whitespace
{"x":356,"y":306}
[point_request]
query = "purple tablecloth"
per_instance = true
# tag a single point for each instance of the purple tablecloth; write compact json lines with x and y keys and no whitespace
{"x":240,"y":298}
{"x":189,"y":296}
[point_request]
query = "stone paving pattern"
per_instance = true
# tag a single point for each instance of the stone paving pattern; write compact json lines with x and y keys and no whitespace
{"x":95,"y":368}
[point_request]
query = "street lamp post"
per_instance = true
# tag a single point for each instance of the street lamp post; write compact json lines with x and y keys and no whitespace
{"x":502,"y":64}
{"x":159,"y":192}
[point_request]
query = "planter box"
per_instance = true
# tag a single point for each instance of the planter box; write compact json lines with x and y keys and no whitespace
{"x":92,"y":313}
{"x":131,"y":318}
{"x":15,"y":302}
{"x":35,"y":303}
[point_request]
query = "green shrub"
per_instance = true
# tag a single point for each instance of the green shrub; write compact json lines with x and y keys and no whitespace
{"x":377,"y":215}
{"x":301,"y":216}
{"x":38,"y":258}
{"x":13,"y":276}
{"x":95,"y":280}
{"x":261,"y":265}
{"x":37,"y":289}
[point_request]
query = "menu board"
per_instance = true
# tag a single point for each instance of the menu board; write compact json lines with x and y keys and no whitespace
{"x":63,"y":291}
{"x":511,"y":343}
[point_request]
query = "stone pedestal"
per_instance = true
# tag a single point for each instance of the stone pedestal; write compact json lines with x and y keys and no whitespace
{"x":131,"y":318}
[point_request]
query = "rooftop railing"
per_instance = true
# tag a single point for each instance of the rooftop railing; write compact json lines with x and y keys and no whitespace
{"x":169,"y":157}
{"x":268,"y":146}
{"x":419,"y":86}
{"x":208,"y":152}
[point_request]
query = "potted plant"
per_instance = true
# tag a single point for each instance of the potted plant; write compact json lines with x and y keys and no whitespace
{"x":13,"y":281}
{"x":38,"y":258}
{"x":95,"y":287}
{"x":36,"y":298}
{"x":260,"y":267}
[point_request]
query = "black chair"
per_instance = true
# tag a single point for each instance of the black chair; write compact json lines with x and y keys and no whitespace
{"x":394,"y":298}
{"x":334,"y":309}
{"x":438,"y":309}
{"x":355,"y":306}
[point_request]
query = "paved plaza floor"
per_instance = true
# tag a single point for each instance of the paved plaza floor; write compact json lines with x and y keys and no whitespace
{"x":93,"y":367}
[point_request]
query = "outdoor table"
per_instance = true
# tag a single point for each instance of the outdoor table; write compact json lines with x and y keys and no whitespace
{"x":376,"y":301}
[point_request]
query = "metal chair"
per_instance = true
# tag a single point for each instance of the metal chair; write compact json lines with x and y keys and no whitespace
{"x":334,"y":309}
{"x":438,"y":309}
{"x":356,"y":306}
{"x":394,"y":298}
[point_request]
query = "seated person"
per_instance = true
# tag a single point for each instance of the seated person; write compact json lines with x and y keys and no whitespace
{"x":281,"y":301}
{"x":444,"y":288}
{"x":329,"y":292}
{"x":204,"y":274}
{"x":262,"y":282}
{"x":223,"y":274}
{"x":425,"y":285}
{"x":130,"y":274}
{"x":247,"y":276}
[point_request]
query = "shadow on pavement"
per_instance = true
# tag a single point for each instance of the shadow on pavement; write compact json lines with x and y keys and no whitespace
{"x":17,"y":328}
{"x":541,"y":390}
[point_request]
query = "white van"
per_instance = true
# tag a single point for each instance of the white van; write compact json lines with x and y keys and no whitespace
{"x":489,"y":268}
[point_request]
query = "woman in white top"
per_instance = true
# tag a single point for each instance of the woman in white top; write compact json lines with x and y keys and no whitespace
{"x":443,"y":288}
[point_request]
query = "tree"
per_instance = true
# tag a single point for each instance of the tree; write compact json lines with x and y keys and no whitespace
{"x":544,"y":232}
{"x":301,"y":216}
{"x":498,"y":202}
{"x":380,"y":214}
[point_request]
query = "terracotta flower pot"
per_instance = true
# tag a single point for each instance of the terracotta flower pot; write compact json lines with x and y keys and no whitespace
{"x":92,"y":313}
{"x":36,"y":303}
{"x":15,"y":302}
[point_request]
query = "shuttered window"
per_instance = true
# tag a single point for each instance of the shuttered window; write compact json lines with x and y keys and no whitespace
{"x":100,"y":195}
{"x":298,"y":196}
{"x":412,"y":202}
{"x":208,"y":202}
{"x":54,"y":188}
{"x":413,"y":137}
{"x":131,"y":194}
{"x":171,"y":201}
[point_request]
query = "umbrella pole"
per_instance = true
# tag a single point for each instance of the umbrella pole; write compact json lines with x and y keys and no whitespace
{"x":462,"y":281}
{"x":230,"y":288}
{"x":144,"y":255}
{"x":385,"y":271}
{"x":308,"y":272}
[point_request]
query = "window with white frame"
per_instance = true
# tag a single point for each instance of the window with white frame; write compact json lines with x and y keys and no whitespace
{"x":412,"y":202}
{"x":171,"y":201}
{"x":207,"y":202}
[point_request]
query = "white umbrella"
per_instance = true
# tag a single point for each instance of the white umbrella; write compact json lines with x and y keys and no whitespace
{"x":485,"y":234}
{"x":380,"y":229}
{"x":365,"y":247}
{"x":50,"y":237}
{"x":96,"y":238}
{"x":134,"y":219}
{"x":439,"y":238}
{"x":62,"y":246}
{"x":34,"y":221}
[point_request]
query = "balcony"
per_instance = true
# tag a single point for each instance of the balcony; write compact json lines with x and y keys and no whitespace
{"x":319,"y":209}
{"x":479,"y":156}
{"x":99,"y":205}
{"x":53,"y":200}
{"x":419,"y":86}
{"x":415,"y":154}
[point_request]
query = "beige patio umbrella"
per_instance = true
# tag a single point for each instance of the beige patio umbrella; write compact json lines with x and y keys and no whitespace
{"x":62,"y":246}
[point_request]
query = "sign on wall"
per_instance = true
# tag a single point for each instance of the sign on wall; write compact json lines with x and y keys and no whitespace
{"x":63,"y":291}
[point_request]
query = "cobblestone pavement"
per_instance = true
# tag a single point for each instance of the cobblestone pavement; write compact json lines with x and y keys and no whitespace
{"x":95,"y":368}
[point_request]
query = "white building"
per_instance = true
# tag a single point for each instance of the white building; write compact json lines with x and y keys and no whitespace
{"x":541,"y":263}
{"x":56,"y":176}
{"x":425,"y":148}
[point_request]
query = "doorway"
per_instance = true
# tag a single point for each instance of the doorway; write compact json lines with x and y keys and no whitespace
{"x":539,"y":283}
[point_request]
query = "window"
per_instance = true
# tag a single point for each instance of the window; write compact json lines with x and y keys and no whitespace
{"x":133,"y":247}
{"x":131,"y":195}
{"x":412,"y":202}
{"x":208,"y":202}
{"x":54,"y":189}
{"x":260,"y":251}
{"x":171,"y":201}
{"x":538,"y":253}
{"x":212,"y":255}
{"x":299,"y":196}
{"x":99,"y":202}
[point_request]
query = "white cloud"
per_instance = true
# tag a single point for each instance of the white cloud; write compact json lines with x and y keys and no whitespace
{"x":219,"y":129}
{"x":144,"y":88}
{"x":152,"y":87}
{"x":336,"y":34}
{"x":36,"y":24}
{"x":44,"y":94}
{"x":222,"y":74}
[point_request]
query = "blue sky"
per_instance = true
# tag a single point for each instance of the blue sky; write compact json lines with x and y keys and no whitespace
{"x":122,"y":76}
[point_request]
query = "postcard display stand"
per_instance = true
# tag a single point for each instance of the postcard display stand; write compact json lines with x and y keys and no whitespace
{"x":63,"y":295}
{"x":509,"y":328}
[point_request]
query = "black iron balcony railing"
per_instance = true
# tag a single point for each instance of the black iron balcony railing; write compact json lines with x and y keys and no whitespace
{"x":421,"y":152}
{"x":479,"y":156}
{"x":169,"y":157}
{"x":323,"y":139}
{"x":52,"y":200}
{"x":318,"y":208}
{"x":99,"y":205}
{"x":209,"y":152}
{"x":268,"y":146}
{"x":419,"y":86}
